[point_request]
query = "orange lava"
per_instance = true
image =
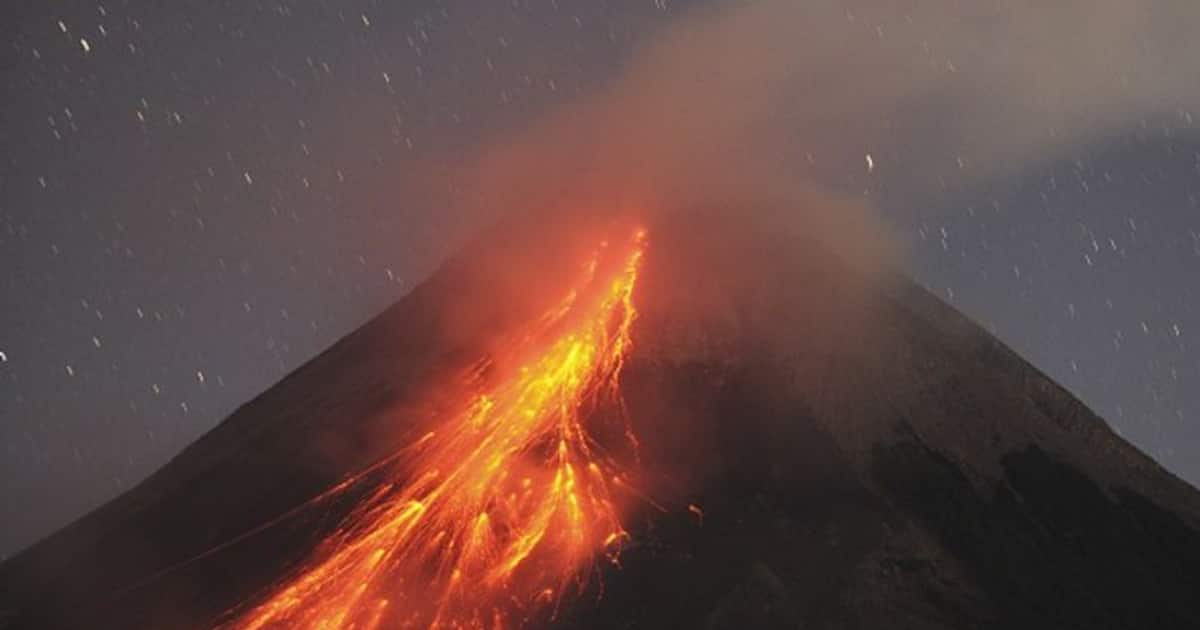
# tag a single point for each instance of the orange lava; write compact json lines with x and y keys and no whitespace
{"x":512,"y":500}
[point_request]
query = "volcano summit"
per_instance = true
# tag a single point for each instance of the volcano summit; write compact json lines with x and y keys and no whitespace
{"x":697,"y":420}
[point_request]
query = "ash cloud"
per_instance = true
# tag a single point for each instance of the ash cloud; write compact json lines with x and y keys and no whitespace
{"x":778,"y":104}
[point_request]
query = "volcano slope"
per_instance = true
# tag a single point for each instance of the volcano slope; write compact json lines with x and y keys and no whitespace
{"x":819,"y":444}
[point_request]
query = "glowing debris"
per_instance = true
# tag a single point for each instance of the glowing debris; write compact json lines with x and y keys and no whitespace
{"x":505,"y":507}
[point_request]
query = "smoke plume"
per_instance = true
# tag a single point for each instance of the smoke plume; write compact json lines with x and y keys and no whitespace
{"x":791,"y":105}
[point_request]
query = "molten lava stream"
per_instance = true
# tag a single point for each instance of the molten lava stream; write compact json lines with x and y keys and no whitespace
{"x":511,"y":501}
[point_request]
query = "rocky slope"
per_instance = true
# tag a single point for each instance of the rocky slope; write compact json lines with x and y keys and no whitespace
{"x":854,"y":453}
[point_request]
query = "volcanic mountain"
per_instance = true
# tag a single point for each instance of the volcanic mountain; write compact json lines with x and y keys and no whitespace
{"x":694,"y":421}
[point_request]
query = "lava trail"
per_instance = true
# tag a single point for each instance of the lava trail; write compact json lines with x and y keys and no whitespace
{"x":504,"y":508}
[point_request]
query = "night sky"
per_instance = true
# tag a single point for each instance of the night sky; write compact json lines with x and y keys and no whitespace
{"x":195,"y":201}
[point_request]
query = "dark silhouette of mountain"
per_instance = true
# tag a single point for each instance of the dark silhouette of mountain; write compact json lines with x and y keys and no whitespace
{"x":854,"y":452}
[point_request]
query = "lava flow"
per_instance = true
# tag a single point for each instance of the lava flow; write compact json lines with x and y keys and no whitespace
{"x":504,"y":507}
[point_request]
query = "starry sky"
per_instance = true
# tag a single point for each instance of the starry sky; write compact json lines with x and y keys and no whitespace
{"x":195,"y":200}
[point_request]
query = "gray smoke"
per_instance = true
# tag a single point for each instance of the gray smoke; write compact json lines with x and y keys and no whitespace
{"x":793,"y":104}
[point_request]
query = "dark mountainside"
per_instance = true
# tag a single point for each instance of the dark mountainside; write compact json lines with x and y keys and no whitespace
{"x":864,"y":457}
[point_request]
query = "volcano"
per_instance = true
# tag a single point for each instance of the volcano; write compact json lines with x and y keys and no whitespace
{"x":691,"y":420}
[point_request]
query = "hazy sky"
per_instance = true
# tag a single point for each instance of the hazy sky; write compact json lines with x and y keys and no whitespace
{"x":194,"y":201}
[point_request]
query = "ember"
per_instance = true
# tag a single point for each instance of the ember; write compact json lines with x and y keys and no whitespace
{"x":511,"y":501}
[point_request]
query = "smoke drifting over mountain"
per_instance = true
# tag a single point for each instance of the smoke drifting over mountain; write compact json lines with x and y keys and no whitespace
{"x":790,"y":110}
{"x":763,"y":104}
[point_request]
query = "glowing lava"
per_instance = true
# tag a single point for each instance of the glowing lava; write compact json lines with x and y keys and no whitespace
{"x":511,"y":500}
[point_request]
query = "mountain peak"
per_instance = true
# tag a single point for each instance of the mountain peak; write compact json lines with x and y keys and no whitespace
{"x":815,"y":440}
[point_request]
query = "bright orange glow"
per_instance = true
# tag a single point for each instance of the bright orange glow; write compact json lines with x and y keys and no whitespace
{"x":511,"y":500}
